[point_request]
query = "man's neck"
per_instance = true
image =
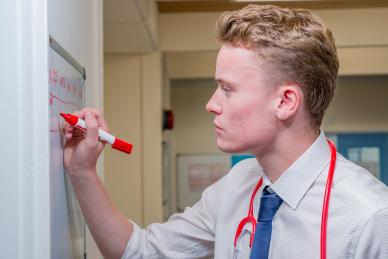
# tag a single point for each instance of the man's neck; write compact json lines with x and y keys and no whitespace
{"x":286,"y":149}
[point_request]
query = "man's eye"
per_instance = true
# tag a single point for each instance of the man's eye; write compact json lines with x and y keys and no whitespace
{"x":226,"y":89}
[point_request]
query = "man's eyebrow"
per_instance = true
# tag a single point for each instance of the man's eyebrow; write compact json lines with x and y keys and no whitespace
{"x":219,"y":80}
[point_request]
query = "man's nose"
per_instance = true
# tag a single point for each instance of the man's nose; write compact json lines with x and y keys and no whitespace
{"x":213,"y":105}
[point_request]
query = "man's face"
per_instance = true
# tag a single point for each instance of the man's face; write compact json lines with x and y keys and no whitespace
{"x":243,"y":104}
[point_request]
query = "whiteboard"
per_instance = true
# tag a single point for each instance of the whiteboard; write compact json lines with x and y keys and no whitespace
{"x":66,"y":94}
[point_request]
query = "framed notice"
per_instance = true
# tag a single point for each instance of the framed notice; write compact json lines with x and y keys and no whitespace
{"x":196,"y":172}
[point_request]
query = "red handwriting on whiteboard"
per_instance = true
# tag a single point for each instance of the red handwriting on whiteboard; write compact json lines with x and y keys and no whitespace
{"x":53,"y":78}
{"x":62,"y":81}
{"x":53,"y":97}
{"x":56,"y":78}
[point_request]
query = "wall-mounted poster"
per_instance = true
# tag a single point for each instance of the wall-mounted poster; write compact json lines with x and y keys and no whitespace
{"x":196,"y":172}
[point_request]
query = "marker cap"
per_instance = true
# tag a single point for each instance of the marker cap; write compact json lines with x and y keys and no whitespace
{"x":71,"y":119}
{"x":122,"y":146}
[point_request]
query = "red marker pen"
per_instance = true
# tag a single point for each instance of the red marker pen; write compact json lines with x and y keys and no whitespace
{"x":105,"y":136}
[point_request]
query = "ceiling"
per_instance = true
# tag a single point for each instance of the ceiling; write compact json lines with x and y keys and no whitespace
{"x":130,"y":26}
{"x":181,"y":6}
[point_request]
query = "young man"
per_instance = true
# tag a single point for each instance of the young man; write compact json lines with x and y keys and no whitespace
{"x":276,"y":73}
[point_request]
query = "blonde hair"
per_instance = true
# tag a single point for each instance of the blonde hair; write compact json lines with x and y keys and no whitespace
{"x":295,"y":41}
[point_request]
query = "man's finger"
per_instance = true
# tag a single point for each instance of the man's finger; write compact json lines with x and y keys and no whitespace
{"x":101,"y":123}
{"x":91,"y":129}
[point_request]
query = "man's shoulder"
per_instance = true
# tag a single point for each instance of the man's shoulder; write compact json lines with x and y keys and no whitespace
{"x":247,"y":168}
{"x":366,"y":190}
{"x":240,"y":175}
{"x":244,"y":174}
{"x":248,"y":163}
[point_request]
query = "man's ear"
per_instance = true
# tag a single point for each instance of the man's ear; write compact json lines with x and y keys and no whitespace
{"x":289,"y":99}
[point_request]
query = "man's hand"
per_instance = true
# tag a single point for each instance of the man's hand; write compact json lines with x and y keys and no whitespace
{"x":83,"y":148}
{"x":110,"y":229}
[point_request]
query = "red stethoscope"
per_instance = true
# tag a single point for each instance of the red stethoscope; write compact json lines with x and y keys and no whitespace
{"x":250,"y":219}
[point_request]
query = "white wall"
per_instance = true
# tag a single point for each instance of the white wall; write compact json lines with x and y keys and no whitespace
{"x":24,"y":168}
{"x":25,"y":26}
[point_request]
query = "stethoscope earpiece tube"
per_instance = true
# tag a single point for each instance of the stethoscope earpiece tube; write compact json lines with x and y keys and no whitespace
{"x":326,"y":199}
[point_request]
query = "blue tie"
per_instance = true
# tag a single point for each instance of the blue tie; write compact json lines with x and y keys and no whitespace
{"x":269,"y":204}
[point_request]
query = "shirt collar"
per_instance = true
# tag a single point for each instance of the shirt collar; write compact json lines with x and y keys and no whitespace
{"x":293,"y":184}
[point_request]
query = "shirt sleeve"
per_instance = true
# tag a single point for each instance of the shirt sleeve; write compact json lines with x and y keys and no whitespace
{"x":190,"y":234}
{"x":374,"y":238}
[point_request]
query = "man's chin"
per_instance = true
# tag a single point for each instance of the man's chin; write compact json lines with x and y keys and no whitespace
{"x":229,"y":149}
